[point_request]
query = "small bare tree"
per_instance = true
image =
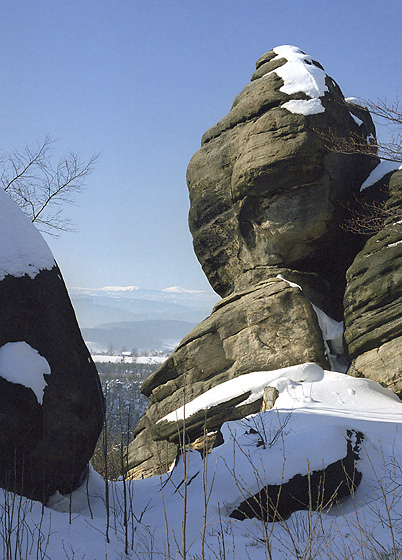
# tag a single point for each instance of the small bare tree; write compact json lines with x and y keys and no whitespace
{"x":389,"y":115}
{"x":368,"y":216}
{"x":42,"y":185}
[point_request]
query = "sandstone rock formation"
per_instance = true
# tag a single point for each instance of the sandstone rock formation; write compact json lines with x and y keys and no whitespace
{"x":373,"y":300}
{"x":269,"y":326}
{"x":51,"y":402}
{"x":266,"y":194}
{"x":267,"y":200}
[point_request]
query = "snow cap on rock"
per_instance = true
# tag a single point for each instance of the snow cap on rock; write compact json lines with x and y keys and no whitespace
{"x":301,"y":74}
{"x":22,"y":248}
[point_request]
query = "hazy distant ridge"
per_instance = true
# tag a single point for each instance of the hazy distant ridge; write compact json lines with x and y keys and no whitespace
{"x":139,"y":335}
{"x":135,"y":318}
{"x":113,"y":304}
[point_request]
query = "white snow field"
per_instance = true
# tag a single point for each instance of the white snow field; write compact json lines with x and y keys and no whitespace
{"x":305,"y":431}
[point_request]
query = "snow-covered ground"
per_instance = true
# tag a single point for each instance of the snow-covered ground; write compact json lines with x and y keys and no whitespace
{"x":306,"y":430}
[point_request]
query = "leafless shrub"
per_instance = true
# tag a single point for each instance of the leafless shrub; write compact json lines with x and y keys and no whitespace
{"x":42,"y":185}
{"x":389,"y":116}
{"x":370,"y":217}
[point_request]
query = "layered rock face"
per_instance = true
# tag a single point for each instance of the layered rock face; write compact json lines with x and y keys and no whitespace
{"x":269,"y":326}
{"x":267,"y":199}
{"x":373,"y":300}
{"x":51,"y":402}
{"x":266,"y":194}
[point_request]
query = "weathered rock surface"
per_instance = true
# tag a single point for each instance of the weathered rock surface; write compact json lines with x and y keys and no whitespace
{"x":373,"y":301}
{"x":267,"y":198}
{"x":269,"y":326}
{"x":51,"y":402}
{"x":266,"y":193}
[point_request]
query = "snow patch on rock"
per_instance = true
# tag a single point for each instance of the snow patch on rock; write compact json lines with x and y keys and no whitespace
{"x":300,"y":107}
{"x":300,"y":75}
{"x":358,"y":121}
{"x":22,"y":364}
{"x":357,"y":101}
{"x":255,"y":382}
{"x":382,"y":169}
{"x":332,"y":331}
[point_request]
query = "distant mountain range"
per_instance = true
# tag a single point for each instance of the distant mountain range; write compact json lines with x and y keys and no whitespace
{"x":132,"y":317}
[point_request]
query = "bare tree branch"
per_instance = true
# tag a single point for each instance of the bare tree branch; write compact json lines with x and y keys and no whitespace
{"x":42,"y":186}
{"x":390,"y":116}
{"x":368,"y":218}
{"x":391,"y":112}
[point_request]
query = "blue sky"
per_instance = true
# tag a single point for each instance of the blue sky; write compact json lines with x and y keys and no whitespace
{"x":140,"y":81}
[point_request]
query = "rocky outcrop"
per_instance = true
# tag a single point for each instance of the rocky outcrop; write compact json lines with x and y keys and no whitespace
{"x":265,"y":192}
{"x":373,"y":300}
{"x":270,"y":326}
{"x":51,"y":402}
{"x":267,"y":200}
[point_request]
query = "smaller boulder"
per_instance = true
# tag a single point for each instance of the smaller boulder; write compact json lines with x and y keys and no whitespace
{"x":269,"y":326}
{"x":313,"y":491}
